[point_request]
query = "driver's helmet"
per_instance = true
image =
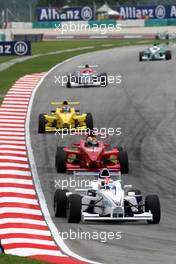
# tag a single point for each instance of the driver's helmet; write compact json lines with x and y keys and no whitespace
{"x":66,"y":109}
{"x":155,"y":45}
{"x":106,"y":183}
{"x":92,"y":141}
{"x":87,"y":66}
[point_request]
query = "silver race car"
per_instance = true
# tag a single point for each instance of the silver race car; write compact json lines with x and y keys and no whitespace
{"x":165,"y":35}
{"x":155,"y":52}
{"x":106,"y":200}
{"x":87,"y":76}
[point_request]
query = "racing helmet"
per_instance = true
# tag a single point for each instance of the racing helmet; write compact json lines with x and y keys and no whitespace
{"x":105,"y":179}
{"x":106,"y":183}
{"x":66,"y":109}
{"x":92,"y":141}
{"x":87,"y":66}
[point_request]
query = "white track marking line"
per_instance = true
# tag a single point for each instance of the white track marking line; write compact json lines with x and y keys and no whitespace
{"x":12,"y":137}
{"x":11,"y":147}
{"x":17,"y":181}
{"x":23,"y":221}
{"x":14,"y":152}
{"x":13,"y":158}
{"x":13,"y":110}
{"x":11,"y":125}
{"x":14,"y":121}
{"x":15,"y":172}
{"x":27,"y":240}
{"x":18,"y":210}
{"x":13,"y":164}
{"x":8,"y":106}
{"x":12,"y":142}
{"x":12,"y":133}
{"x":17,"y":190}
{"x":24,"y":231}
{"x":8,"y":117}
{"x":18,"y":200}
{"x":24,"y":252}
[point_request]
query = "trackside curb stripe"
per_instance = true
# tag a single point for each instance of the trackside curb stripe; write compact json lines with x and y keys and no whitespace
{"x":26,"y":228}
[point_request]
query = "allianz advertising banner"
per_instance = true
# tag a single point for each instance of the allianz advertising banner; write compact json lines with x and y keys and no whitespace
{"x":65,"y":14}
{"x":17,"y":48}
{"x":157,"y":12}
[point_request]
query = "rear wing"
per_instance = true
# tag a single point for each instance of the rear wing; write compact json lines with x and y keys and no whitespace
{"x":90,"y":66}
{"x":65,"y":103}
{"x":96,"y":173}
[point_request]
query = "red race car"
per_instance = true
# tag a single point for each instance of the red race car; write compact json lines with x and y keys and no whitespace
{"x":91,"y":154}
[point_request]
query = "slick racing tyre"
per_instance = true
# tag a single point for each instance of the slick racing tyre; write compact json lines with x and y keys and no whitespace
{"x":141,"y":56}
{"x":68,"y":85}
{"x":152,"y":204}
{"x":60,"y":203}
{"x":60,"y":160}
{"x":89,"y":121}
{"x":41,"y":124}
{"x":168,"y":55}
{"x":123,"y":160}
{"x":74,"y":208}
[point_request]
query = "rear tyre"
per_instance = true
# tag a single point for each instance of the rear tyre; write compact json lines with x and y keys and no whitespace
{"x":41,"y":124}
{"x":89,"y":121}
{"x":152,"y":204}
{"x":120,"y":148}
{"x":168,"y":55}
{"x":104,"y":79}
{"x":60,"y":203}
{"x":157,"y":37}
{"x":74,"y":208}
{"x":141,"y":56}
{"x":123,"y":160}
{"x":60,"y":160}
{"x":68,"y":85}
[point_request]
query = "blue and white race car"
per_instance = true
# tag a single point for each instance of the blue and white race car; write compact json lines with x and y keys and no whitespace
{"x":87,"y":76}
{"x":106,"y":200}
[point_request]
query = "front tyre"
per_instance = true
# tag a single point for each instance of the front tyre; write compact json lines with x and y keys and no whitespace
{"x":168,"y":55}
{"x":74,"y":208}
{"x":60,"y":203}
{"x":141,"y":56}
{"x":68,"y":85}
{"x":152,"y":204}
{"x":89,"y":121}
{"x":123,"y":160}
{"x":60,"y":160}
{"x":41,"y":124}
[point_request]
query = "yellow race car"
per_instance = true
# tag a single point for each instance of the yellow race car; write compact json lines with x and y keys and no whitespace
{"x":65,"y":117}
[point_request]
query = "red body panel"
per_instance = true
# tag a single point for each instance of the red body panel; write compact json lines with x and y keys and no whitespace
{"x":86,"y":158}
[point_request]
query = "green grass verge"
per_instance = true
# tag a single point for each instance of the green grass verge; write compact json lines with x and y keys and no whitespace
{"x":9,"y":259}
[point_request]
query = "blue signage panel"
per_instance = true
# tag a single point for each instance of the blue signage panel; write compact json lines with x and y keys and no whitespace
{"x":65,"y":14}
{"x":17,"y":48}
{"x":157,"y":12}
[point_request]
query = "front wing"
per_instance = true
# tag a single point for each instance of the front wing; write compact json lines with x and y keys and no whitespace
{"x":91,"y":84}
{"x":150,"y":57}
{"x":135,"y":217}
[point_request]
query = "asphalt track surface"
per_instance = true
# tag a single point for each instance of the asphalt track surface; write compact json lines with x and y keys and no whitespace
{"x":144,"y":106}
